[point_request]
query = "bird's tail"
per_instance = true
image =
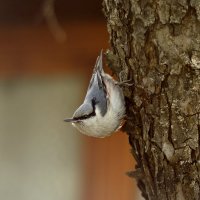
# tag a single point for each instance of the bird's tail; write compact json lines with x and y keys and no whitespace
{"x":99,"y":63}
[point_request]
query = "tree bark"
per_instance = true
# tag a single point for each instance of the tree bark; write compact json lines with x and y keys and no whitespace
{"x":156,"y":43}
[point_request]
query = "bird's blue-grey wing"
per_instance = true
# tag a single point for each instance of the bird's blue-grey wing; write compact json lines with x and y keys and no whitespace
{"x":97,"y":88}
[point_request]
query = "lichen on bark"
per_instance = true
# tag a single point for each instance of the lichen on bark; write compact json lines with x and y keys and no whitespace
{"x":157,"y":45}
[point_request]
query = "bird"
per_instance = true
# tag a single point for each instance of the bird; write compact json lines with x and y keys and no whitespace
{"x":103,"y":109}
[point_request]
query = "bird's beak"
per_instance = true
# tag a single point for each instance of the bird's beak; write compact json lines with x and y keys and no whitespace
{"x":69,"y":120}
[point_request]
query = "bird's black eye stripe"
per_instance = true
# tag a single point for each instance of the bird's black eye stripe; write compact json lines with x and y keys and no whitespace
{"x":94,"y":102}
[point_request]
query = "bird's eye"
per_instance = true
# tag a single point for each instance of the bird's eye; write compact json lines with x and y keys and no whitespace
{"x":94,"y":102}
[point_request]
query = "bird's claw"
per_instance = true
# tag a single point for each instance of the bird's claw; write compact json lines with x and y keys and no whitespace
{"x":126,"y":83}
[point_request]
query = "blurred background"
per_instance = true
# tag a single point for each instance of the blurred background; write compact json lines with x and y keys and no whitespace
{"x":47,"y":53}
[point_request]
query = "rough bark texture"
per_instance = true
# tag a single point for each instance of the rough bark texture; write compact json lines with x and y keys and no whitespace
{"x":157,"y":44}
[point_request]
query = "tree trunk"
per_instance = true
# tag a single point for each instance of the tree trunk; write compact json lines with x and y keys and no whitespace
{"x":157,"y":45}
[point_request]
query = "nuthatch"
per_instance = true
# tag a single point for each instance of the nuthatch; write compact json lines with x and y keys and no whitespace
{"x":103,"y":109}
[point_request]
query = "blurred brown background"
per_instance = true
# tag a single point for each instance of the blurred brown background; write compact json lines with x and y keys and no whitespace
{"x":47,"y":52}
